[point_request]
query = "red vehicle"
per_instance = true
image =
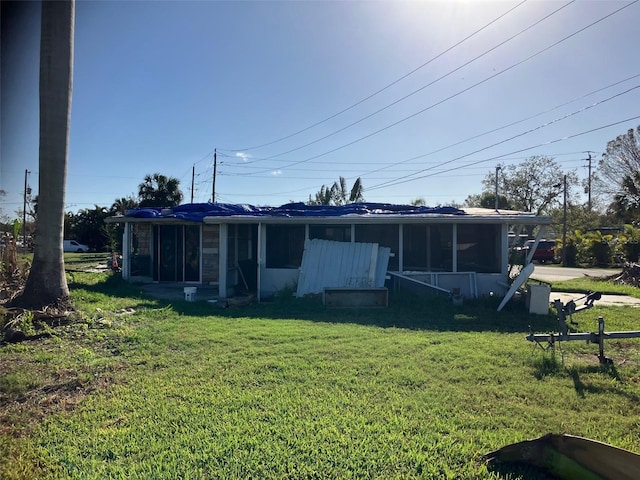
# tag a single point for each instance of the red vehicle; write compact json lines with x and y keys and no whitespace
{"x":545,"y":252}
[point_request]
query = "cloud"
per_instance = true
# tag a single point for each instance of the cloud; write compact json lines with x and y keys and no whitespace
{"x":244,"y":156}
{"x":275,"y":173}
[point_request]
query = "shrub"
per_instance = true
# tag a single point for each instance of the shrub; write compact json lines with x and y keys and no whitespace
{"x":632,"y":250}
{"x":570,"y":253}
{"x":601,"y":252}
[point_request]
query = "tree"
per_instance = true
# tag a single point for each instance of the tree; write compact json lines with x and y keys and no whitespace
{"x":159,"y":191}
{"x":488,"y":200}
{"x":88,"y":227}
{"x":338,"y":193}
{"x":357,"y":191}
{"x":4,"y":218}
{"x":626,"y":204}
{"x":579,"y":218}
{"x":535,"y":185}
{"x":619,"y":170}
{"x":324,"y":196}
{"x":121,"y":205}
{"x":47,"y":283}
{"x":116,"y":230}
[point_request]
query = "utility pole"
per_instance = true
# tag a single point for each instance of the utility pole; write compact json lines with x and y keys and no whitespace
{"x":564,"y":224}
{"x":193,"y":175}
{"x":589,"y":184}
{"x":497,"y":170}
{"x":27,"y":191}
{"x":215,"y":167}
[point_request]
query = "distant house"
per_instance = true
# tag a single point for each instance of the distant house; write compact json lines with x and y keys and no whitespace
{"x":261,"y":248}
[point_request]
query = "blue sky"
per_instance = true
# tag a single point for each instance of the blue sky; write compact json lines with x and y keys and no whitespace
{"x":159,"y":85}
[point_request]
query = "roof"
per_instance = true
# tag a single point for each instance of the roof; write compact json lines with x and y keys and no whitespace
{"x":362,"y":212}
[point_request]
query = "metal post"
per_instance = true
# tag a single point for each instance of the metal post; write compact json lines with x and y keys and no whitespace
{"x":496,"y":203}
{"x":193,"y":175}
{"x":564,"y":225}
{"x":24,"y":211}
{"x":589,"y":187}
{"x":215,"y":167}
{"x":601,"y":335}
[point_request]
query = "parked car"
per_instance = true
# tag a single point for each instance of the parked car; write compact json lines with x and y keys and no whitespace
{"x":545,"y":252}
{"x":73,"y":246}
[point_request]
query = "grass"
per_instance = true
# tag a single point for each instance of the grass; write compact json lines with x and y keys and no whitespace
{"x":592,"y":283}
{"x":595,"y":284}
{"x":139,"y":388}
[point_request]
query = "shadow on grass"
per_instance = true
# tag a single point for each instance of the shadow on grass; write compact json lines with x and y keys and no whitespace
{"x":520,"y":471}
{"x":548,"y":365}
{"x":113,"y":286}
{"x":405,"y":310}
{"x":609,"y":388}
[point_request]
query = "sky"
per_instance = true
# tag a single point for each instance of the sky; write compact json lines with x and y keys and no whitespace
{"x":418,"y":99}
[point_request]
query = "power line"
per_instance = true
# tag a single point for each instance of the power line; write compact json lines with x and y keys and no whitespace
{"x":530,"y":57}
{"x":387,"y":86}
{"x":401,"y":181}
{"x":539,"y":127}
{"x":474,"y":137}
{"x":451,"y":72}
{"x":421,"y":88}
{"x":593,"y":92}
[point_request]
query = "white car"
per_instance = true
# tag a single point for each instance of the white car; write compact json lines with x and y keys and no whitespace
{"x":73,"y":246}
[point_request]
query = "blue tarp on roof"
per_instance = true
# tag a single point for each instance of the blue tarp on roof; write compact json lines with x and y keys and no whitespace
{"x":198,"y":211}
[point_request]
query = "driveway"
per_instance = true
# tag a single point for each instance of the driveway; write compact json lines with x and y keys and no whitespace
{"x":557,"y":273}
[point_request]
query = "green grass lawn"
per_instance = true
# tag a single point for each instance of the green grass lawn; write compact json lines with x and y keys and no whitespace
{"x":595,"y":285}
{"x":139,"y":388}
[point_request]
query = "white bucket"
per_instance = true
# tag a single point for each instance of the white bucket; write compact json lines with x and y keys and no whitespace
{"x":190,"y":293}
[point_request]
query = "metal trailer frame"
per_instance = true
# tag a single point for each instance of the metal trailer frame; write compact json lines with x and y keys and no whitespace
{"x":564,"y":335}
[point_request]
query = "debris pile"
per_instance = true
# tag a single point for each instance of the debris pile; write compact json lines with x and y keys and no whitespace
{"x":630,"y":275}
{"x":13,"y":274}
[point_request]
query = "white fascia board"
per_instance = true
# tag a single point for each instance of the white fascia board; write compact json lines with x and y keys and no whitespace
{"x":384,"y":219}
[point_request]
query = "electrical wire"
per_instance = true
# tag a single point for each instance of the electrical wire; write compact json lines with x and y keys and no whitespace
{"x":248,"y":164}
{"x":526,"y":59}
{"x":451,"y":72}
{"x":385,"y":87}
{"x":474,"y":137}
{"x":531,"y":130}
{"x":406,"y":180}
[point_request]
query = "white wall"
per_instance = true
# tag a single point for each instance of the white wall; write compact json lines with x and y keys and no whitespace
{"x":272,"y":280}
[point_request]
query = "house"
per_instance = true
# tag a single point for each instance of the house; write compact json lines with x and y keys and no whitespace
{"x":261,"y":248}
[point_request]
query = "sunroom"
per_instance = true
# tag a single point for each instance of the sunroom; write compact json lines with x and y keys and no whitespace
{"x":261,"y":249}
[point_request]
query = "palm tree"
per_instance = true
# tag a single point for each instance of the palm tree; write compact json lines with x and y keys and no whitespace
{"x":121,"y":205}
{"x":338,"y":193}
{"x":357,"y":192}
{"x":47,"y":283}
{"x":159,"y":191}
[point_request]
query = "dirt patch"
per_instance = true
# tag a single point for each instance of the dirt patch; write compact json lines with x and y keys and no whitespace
{"x":24,"y":403}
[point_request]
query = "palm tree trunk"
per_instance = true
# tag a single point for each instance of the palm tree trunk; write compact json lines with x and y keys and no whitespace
{"x":47,"y":283}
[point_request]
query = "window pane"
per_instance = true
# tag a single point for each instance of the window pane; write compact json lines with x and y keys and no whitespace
{"x":414,"y":239}
{"x":285,"y":245}
{"x":140,"y":260}
{"x":479,"y":248}
{"x":192,"y":253}
{"x":440,"y":248}
{"x":337,"y":233}
{"x":167,"y":241}
{"x":383,"y":235}
{"x":427,"y":248}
